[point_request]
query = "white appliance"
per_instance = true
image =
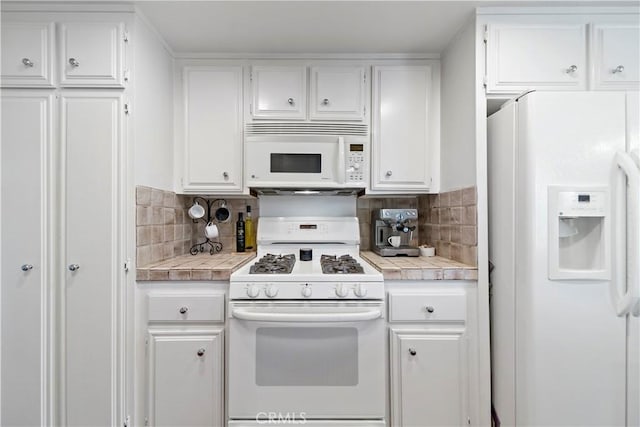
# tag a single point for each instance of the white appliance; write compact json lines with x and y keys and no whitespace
{"x":307,"y":338}
{"x":306,"y":161}
{"x":564,"y":198}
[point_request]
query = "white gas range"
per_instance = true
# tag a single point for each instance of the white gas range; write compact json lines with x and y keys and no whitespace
{"x":307,"y":337}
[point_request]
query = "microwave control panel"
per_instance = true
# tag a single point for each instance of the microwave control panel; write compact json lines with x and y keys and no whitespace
{"x":355,"y":163}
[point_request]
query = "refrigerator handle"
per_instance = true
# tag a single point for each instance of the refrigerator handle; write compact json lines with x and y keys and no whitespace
{"x":625,"y":300}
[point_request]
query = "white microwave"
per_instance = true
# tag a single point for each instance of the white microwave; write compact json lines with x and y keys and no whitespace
{"x":306,"y":161}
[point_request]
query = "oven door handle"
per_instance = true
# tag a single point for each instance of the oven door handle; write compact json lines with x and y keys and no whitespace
{"x":257,"y":316}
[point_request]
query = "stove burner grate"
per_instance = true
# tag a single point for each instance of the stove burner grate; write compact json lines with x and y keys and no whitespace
{"x":344,"y":264}
{"x":274,"y":264}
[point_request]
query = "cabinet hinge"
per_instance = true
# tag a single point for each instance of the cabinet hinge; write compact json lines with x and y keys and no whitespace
{"x":125,"y":37}
{"x":126,"y":75}
{"x":127,"y":109}
{"x":126,"y":421}
{"x":251,"y":76}
{"x":127,"y":265}
{"x":364,"y":110}
{"x":468,"y":421}
{"x":485,"y":36}
{"x":251,"y":109}
{"x":484,"y":81}
{"x":146,"y":421}
{"x":364,"y":77}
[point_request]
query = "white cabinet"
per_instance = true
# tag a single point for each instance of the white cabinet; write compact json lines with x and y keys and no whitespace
{"x":91,"y":253}
{"x":27,"y":54}
{"x":428,"y":377}
{"x":536,"y":55}
{"x":186,"y":378}
{"x":405,"y":117}
{"x":213,"y":130}
{"x":279,"y":92}
{"x":616,"y":56}
{"x":25,"y":235}
{"x":337,"y":93}
{"x":91,"y":54}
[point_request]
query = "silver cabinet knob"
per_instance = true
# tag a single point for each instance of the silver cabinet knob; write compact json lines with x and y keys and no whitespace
{"x":73,"y":267}
{"x":389,"y":173}
{"x":26,"y":267}
{"x":430,"y":309}
{"x":183,"y":310}
{"x":291,"y":101}
{"x":412,"y":352}
{"x":74,"y":62}
{"x":618,"y":69}
{"x":571,"y":69}
{"x":325,"y":101}
{"x":27,"y":62}
{"x":225,"y":175}
{"x":200,"y":352}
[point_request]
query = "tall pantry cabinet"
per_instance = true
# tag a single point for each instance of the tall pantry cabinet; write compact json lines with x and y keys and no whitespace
{"x":63,"y":156}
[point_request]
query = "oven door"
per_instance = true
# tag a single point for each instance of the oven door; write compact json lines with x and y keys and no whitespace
{"x":309,"y":161}
{"x":312,"y":360}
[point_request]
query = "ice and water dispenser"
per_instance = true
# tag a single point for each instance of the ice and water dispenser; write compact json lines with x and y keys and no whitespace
{"x":579,"y":233}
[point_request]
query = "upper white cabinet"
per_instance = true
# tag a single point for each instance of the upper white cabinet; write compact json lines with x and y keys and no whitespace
{"x":522,"y":56}
{"x":337,"y":93}
{"x":616,"y":54}
{"x":279,"y":92}
{"x":27,"y":54}
{"x":213,"y":129}
{"x":404,"y":136}
{"x":91,"y":54}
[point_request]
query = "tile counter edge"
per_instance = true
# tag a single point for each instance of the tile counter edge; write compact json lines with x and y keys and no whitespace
{"x":199,"y":267}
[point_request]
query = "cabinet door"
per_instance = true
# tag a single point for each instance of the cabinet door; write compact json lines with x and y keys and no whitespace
{"x":428,"y":378}
{"x":213,"y":130}
{"x":91,"y":256}
{"x":26,"y":284}
{"x":91,"y":54}
{"x":279,"y":92}
{"x":337,"y":93}
{"x":186,"y":378}
{"x":27,"y":54}
{"x":536,"y":56}
{"x":616,"y":56}
{"x":401,"y":133}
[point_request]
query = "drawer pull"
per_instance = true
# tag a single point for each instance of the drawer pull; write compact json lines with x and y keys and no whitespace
{"x":201,"y":352}
{"x":430,"y":309}
{"x":183,"y":310}
{"x":412,"y":352}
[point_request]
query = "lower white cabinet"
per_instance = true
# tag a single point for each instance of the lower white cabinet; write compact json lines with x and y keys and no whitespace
{"x":186,"y":386}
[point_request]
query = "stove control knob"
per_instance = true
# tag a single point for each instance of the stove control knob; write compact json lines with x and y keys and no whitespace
{"x":306,"y":290}
{"x":341,"y":291}
{"x":253,"y":291}
{"x":360,"y":291}
{"x":271,"y":291}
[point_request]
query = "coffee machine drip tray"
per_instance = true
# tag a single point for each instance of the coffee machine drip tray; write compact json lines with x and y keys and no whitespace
{"x":403,"y":250}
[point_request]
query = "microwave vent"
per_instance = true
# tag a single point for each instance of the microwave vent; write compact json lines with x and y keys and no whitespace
{"x":288,"y":128}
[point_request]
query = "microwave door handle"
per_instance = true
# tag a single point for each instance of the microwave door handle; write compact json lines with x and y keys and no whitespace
{"x":257,"y":316}
{"x":341,"y":160}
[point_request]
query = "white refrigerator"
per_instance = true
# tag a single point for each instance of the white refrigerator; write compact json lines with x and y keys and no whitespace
{"x":564,"y":197}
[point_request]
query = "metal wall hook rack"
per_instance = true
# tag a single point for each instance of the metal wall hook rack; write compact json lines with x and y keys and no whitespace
{"x":214,"y":246}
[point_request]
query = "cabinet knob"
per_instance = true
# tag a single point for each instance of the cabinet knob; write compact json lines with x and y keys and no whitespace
{"x":291,"y":101}
{"x":74,"y":62}
{"x":572,"y":69}
{"x":412,"y":352}
{"x":389,"y":173}
{"x":26,"y":267}
{"x":430,"y":309}
{"x":183,"y":310}
{"x":325,"y":101}
{"x":225,"y":175}
{"x":74,"y":267}
{"x":618,"y":69}
{"x":200,"y":352}
{"x":27,"y":62}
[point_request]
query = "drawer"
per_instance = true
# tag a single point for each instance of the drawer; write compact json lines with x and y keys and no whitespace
{"x":181,"y":308}
{"x":427,"y":307}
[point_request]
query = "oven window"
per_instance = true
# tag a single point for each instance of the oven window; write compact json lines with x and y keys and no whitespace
{"x":296,"y":163}
{"x":307,"y":356}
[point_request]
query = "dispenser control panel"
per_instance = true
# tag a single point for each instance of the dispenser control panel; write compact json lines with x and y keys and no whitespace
{"x":582,"y":203}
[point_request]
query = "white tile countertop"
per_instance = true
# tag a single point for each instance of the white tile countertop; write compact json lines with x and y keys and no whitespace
{"x":420,"y":268}
{"x":198,"y":267}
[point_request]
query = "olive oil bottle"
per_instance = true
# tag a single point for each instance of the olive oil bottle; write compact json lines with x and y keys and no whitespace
{"x":249,"y":231}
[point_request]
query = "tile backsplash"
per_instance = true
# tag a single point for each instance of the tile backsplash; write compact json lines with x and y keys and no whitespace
{"x":165,"y":230}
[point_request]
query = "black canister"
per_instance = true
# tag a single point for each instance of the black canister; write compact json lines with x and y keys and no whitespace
{"x":306,"y":254}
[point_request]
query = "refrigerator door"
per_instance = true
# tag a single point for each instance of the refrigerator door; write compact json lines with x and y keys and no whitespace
{"x":570,"y":344}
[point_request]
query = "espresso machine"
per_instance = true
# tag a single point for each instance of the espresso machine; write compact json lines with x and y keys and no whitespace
{"x":387,"y":223}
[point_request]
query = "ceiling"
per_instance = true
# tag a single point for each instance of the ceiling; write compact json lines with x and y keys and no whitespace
{"x":335,"y":27}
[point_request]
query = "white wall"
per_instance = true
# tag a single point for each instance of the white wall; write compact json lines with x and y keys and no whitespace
{"x":152,"y":109}
{"x":458,"y":112}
